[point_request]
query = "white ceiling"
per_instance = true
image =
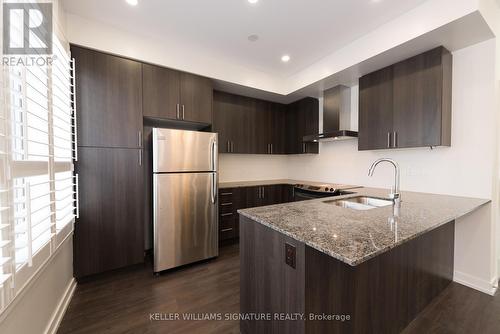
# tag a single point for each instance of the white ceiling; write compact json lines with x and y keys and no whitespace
{"x":307,"y":30}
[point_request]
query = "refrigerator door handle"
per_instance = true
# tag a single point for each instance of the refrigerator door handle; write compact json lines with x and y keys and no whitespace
{"x":214,"y":155}
{"x":213,"y":188}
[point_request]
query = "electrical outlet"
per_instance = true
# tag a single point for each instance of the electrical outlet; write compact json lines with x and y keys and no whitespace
{"x":290,"y":255}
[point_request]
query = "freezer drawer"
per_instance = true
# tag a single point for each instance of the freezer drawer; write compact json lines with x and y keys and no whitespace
{"x":184,"y":218}
{"x":184,"y":151}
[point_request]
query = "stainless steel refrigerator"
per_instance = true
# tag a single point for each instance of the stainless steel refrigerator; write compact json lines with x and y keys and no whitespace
{"x":185,"y":227}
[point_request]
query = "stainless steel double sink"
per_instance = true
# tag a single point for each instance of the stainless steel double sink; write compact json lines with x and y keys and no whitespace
{"x":360,"y":202}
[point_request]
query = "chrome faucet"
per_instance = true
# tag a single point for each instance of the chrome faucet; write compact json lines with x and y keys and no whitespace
{"x":395,"y":194}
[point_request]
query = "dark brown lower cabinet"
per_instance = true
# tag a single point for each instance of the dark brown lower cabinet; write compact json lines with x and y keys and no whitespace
{"x":110,"y":231}
{"x":381,"y":295}
{"x":230,"y":201}
{"x":287,"y":193}
{"x":264,"y":195}
{"x":233,"y":199}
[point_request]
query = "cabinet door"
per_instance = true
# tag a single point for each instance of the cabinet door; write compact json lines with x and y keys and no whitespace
{"x":233,"y":122}
{"x":109,"y":99}
{"x":418,"y":96}
{"x":376,"y":110}
{"x":309,"y":110}
{"x":253,"y":197}
{"x":271,"y":195}
{"x":278,"y":128}
{"x":223,"y":120}
{"x":161,"y":92}
{"x":109,"y":233}
{"x":196,"y":98}
{"x":302,"y":120}
{"x":293,"y":145}
{"x":287,"y":194}
{"x":262,"y":125}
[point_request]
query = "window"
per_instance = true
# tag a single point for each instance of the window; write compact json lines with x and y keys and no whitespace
{"x":37,"y":183}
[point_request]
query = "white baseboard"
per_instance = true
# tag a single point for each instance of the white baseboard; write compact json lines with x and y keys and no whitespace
{"x":475,"y":283}
{"x":58,"y":314}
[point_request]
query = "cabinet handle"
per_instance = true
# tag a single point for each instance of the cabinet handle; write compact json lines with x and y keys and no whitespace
{"x":183,"y":109}
{"x":395,"y":139}
{"x":303,"y":147}
{"x":139,"y":137}
{"x":232,"y":147}
{"x":228,"y":147}
{"x":177,"y":109}
{"x":224,"y":194}
{"x":227,"y":229}
{"x":225,"y":204}
{"x":271,"y":148}
{"x":263,"y":192}
{"x":226,"y":214}
{"x":140,"y":157}
{"x":260,"y":192}
{"x":388,"y":139}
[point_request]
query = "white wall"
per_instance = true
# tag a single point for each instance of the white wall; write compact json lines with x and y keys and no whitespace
{"x":244,"y":167}
{"x":39,"y":308}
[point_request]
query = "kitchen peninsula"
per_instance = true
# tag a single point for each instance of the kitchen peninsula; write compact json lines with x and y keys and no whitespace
{"x":378,"y":264}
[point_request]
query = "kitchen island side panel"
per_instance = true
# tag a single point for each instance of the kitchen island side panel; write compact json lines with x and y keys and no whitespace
{"x":267,"y":284}
{"x":383,"y":294}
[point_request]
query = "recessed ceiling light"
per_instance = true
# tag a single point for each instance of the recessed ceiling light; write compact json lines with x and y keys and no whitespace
{"x":285,"y":58}
{"x":253,"y":38}
{"x":132,"y":2}
{"x":253,"y":1}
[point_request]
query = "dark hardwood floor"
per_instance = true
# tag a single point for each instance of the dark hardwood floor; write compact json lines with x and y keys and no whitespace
{"x":123,"y":301}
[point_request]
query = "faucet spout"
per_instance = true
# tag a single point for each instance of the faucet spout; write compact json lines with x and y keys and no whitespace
{"x":395,"y":192}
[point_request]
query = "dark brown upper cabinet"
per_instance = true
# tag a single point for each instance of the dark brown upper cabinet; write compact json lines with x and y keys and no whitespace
{"x":278,"y":129}
{"x":407,"y":104}
{"x":174,"y":95}
{"x":375,"y":110}
{"x":161,"y":92}
{"x":196,"y":98}
{"x":252,"y":126}
{"x":302,"y":119}
{"x":233,"y":120}
{"x":109,"y":99}
{"x":248,"y":126}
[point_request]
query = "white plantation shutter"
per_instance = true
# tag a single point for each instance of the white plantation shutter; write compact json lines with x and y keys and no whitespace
{"x":63,"y":136}
{"x":37,"y":184}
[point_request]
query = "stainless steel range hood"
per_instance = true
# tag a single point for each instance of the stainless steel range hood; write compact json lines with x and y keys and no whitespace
{"x":336,"y":116}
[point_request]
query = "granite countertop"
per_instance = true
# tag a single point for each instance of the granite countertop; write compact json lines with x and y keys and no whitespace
{"x":354,"y":236}
{"x":238,"y":184}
